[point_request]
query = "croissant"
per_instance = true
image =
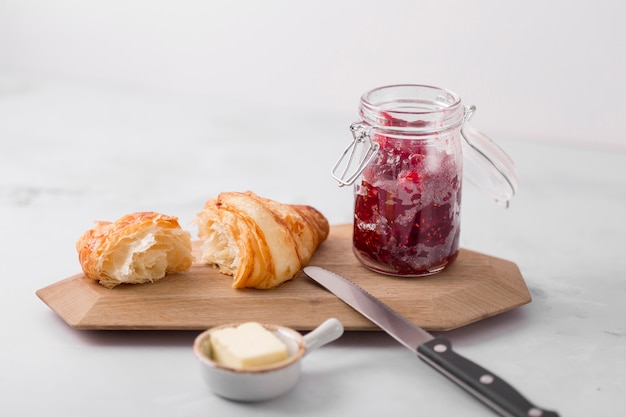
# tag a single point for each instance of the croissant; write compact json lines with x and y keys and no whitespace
{"x":135,"y":249}
{"x":260,"y":242}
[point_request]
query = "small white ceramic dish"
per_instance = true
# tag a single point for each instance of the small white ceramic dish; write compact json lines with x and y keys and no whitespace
{"x":263,"y":383}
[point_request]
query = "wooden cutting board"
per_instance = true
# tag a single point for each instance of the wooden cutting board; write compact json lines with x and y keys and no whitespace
{"x":476,"y":286}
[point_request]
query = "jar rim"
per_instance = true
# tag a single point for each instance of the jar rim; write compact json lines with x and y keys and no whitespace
{"x":416,"y":108}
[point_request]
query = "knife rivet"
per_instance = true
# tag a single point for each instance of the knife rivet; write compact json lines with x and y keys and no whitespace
{"x":535,"y":412}
{"x":440,"y":348}
{"x":486,"y":379}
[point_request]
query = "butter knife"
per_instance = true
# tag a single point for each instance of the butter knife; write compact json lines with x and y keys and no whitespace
{"x":437,"y":352}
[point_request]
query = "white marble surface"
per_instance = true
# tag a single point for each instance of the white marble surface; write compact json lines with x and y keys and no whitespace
{"x":73,"y":153}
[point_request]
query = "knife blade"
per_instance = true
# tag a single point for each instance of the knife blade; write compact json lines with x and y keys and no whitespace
{"x":437,"y":352}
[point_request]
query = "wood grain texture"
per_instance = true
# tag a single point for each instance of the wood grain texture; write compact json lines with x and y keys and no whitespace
{"x":476,"y":286}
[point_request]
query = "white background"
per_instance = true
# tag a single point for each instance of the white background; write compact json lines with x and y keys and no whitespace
{"x":537,"y":70}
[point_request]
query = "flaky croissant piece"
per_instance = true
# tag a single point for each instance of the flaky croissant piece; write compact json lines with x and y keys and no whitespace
{"x":260,"y":242}
{"x":135,"y":249}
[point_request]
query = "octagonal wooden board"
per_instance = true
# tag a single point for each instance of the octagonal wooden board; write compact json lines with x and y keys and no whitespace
{"x":475,"y":287}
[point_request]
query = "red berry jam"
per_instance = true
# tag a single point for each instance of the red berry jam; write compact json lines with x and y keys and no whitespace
{"x":407,"y":206}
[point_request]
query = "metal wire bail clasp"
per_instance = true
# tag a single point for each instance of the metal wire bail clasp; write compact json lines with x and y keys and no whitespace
{"x":352,"y":163}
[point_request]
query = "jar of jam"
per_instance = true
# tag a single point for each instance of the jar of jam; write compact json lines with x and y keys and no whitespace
{"x":406,"y":163}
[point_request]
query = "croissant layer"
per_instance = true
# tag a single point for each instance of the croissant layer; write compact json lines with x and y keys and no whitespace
{"x":260,"y":242}
{"x":137,"y":248}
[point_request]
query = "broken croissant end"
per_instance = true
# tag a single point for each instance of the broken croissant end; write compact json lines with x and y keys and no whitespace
{"x":135,"y":249}
{"x":260,"y":242}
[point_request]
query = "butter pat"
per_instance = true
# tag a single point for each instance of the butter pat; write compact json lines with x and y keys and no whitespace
{"x":246,"y":346}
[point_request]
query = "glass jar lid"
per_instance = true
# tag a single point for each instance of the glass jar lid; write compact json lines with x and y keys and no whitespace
{"x":486,"y":165}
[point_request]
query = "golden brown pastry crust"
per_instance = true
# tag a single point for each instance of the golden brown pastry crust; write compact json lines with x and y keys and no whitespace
{"x":260,"y":242}
{"x":137,"y":248}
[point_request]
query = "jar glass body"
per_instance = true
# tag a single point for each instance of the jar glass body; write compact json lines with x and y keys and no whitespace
{"x":408,"y":198}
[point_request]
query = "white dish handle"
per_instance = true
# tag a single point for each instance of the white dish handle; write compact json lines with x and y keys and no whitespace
{"x":326,"y":332}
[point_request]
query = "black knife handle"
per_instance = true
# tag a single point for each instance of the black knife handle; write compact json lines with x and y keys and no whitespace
{"x":484,"y":385}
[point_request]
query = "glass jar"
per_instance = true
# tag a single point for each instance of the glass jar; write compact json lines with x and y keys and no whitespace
{"x":406,"y":163}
